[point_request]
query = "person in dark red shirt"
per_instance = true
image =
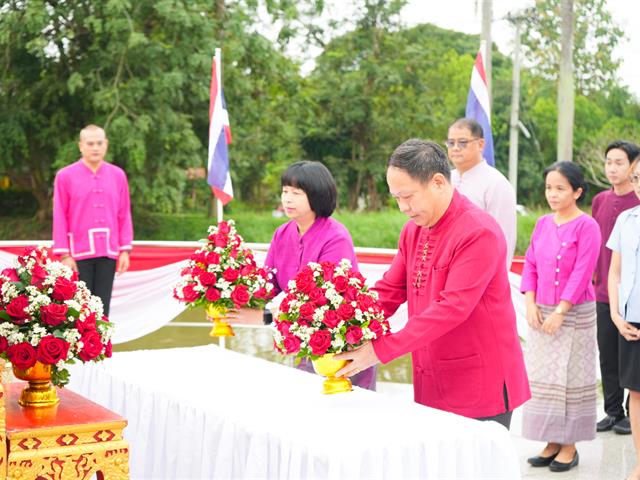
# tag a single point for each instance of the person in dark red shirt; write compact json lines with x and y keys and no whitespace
{"x":450,"y":270}
{"x":606,"y":207}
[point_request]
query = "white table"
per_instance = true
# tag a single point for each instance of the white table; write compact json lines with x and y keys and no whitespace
{"x":205,"y":412}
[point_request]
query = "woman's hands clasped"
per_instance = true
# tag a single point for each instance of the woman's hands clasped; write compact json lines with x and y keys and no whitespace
{"x":628,"y":331}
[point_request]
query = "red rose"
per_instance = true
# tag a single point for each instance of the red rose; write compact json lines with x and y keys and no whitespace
{"x":199,"y":257}
{"x":357,"y":275}
{"x":91,"y":345}
{"x":364,"y":302}
{"x":75,"y":276}
{"x":189,"y":294}
{"x":376,"y":327}
{"x":240,"y":295}
{"x":64,"y":289}
{"x":208,"y":278}
{"x":353,"y":335}
{"x":108,"y":350}
{"x":284,"y":305}
{"x":3,"y":344}
{"x":38,"y":275}
{"x":331,"y":319}
{"x":234,"y":252}
{"x":327,"y":270}
{"x":247,"y":270}
{"x":89,"y":323}
{"x":317,"y":295}
{"x":291,"y":344}
{"x":213,"y":258}
{"x":320,"y":342}
{"x":305,"y":282}
{"x":212,"y":294}
{"x":230,"y":275}
{"x":53,"y":314}
{"x":52,"y":349}
{"x":223,"y":227}
{"x":307,"y":310}
{"x":197,"y":271}
{"x":346,"y":311}
{"x":340,"y":283}
{"x":22,"y":355}
{"x":350,"y":294}
{"x":283,"y":327}
{"x":220,"y":240}
{"x":260,"y":293}
{"x":11,"y":274}
{"x":16,"y":307}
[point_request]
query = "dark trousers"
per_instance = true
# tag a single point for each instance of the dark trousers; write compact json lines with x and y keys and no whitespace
{"x":503,"y":419}
{"x":98,"y":274}
{"x":608,"y":345}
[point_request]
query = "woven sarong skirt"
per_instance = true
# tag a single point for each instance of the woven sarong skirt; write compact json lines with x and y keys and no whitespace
{"x":562,"y":375}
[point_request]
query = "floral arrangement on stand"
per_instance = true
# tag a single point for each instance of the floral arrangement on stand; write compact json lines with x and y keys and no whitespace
{"x":49,"y":319}
{"x":328,"y":309}
{"x":223,"y":275}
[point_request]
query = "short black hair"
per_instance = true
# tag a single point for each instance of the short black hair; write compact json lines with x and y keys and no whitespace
{"x":314,"y":179}
{"x":631,"y":149}
{"x":573,"y":173}
{"x":470,"y":124}
{"x":421,"y":159}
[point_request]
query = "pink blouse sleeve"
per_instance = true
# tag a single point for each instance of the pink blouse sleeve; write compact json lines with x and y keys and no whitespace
{"x":529,"y":281}
{"x":588,"y":249}
{"x":125,"y":225}
{"x":60,"y":221}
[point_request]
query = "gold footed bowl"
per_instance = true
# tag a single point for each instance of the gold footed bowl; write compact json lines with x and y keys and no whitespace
{"x":220,"y":327}
{"x":327,"y":367}
{"x":40,"y":392}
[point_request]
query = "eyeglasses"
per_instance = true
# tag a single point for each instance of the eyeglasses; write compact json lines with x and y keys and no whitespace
{"x":462,"y":143}
{"x":635,"y":178}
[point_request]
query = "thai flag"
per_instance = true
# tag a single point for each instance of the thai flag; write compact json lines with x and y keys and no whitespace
{"x":478,"y":106}
{"x":219,"y":137}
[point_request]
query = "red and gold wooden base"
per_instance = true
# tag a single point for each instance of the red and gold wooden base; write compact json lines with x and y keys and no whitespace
{"x":72,"y":440}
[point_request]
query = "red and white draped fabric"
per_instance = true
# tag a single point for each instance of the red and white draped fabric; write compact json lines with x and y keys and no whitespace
{"x":142,"y":300}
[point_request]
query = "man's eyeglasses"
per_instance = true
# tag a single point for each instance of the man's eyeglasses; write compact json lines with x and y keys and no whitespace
{"x":462,"y":143}
{"x":635,"y":178}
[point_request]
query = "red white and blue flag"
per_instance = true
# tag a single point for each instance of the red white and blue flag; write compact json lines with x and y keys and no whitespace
{"x":479,"y":108}
{"x":219,"y":137}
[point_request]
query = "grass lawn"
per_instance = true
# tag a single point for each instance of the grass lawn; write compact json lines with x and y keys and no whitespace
{"x":368,"y":229}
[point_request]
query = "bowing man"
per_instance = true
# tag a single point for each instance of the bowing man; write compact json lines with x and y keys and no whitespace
{"x":449,"y":267}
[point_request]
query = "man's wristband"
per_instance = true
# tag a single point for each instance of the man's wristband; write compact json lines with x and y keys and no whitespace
{"x":267,"y":316}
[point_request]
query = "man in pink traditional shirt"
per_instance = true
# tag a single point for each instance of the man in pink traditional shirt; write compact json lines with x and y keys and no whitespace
{"x":92,"y":225}
{"x":449,"y":267}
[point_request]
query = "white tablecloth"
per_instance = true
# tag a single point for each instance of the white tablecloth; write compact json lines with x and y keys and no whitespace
{"x":205,"y":412}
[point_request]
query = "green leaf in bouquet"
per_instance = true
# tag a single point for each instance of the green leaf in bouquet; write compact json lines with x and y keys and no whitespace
{"x":73,"y":312}
{"x":59,"y":376}
{"x":5,"y":316}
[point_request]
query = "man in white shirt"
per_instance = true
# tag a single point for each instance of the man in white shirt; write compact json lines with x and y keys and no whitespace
{"x":481,"y":183}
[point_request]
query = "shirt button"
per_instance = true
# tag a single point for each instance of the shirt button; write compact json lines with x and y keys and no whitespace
{"x":564,"y":244}
{"x":559,"y":257}
{"x":557,"y":269}
{"x":556,"y":283}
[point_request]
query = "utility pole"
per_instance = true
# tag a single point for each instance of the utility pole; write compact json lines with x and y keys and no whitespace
{"x":566,"y":99}
{"x":515,"y":107}
{"x":487,"y":18}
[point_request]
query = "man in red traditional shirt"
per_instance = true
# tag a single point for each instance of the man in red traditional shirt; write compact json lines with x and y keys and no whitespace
{"x":449,"y":267}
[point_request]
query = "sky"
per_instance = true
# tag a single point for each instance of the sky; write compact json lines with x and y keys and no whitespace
{"x":466,"y":16}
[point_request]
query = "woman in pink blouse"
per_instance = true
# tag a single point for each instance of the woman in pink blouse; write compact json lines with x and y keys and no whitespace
{"x":309,"y":197}
{"x":560,"y":299}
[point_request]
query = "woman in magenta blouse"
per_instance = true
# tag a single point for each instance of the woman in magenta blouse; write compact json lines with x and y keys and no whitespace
{"x":560,"y":299}
{"x":309,"y":197}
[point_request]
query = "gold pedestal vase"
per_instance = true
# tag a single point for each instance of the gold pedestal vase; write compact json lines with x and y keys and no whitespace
{"x":327,"y":367}
{"x":40,"y":392}
{"x":220,"y":327}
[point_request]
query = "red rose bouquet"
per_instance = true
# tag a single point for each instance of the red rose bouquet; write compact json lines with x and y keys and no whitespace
{"x":223,"y":274}
{"x":327,"y":309}
{"x":47,"y":315}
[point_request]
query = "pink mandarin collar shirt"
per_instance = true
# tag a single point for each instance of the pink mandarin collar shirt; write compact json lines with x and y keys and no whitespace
{"x":560,"y":260}
{"x":462,"y":326}
{"x":326,"y":240}
{"x":91,"y":212}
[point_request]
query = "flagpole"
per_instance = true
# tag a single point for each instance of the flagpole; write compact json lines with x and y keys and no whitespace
{"x":218,"y":60}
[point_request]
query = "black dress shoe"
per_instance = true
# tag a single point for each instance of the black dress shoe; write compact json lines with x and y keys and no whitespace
{"x":623,"y":427}
{"x":539,"y":461}
{"x":607,"y":423}
{"x":556,"y":466}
